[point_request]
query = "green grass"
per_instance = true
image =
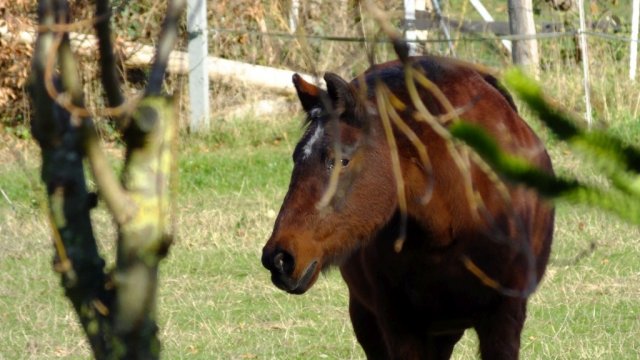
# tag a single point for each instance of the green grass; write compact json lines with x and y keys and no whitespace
{"x":216,"y":300}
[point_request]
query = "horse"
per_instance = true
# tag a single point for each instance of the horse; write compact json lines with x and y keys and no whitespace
{"x":473,"y":246}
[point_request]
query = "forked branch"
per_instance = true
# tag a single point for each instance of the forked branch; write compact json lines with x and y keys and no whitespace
{"x":118,"y":310}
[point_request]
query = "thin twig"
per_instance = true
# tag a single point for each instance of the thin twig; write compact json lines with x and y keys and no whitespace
{"x":62,"y":98}
{"x":412,"y":75}
{"x":332,"y":187}
{"x":68,"y":27}
{"x":488,"y":280}
{"x":116,"y":198}
{"x":4,"y":195}
{"x":69,"y":72}
{"x":458,"y":158}
{"x":65,"y":100}
{"x":395,"y":164}
{"x":392,"y":103}
{"x":461,"y":156}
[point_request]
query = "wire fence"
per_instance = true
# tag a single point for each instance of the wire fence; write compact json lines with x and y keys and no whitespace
{"x":339,"y":49}
{"x":352,"y":39}
{"x":345,"y":54}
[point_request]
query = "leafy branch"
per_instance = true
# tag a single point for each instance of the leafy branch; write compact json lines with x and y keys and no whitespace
{"x":619,"y":162}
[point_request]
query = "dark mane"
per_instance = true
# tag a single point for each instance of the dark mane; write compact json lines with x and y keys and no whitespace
{"x":493,"y":81}
{"x":435,"y":68}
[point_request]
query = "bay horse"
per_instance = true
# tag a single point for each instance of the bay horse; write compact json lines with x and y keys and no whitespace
{"x":466,"y":261}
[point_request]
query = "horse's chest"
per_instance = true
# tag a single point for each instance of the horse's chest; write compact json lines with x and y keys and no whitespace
{"x":431,"y":282}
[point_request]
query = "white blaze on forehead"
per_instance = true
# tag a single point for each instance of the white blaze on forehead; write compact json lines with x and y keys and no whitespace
{"x":372,"y":110}
{"x":308,"y":147}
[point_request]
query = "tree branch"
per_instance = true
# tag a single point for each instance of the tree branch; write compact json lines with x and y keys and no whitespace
{"x":45,"y":131}
{"x":166,"y":43}
{"x":143,"y":241}
{"x":76,"y":256}
{"x":111,"y":191}
{"x":109,"y":73}
{"x":117,"y":313}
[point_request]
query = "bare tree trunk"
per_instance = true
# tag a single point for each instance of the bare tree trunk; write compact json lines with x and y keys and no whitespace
{"x":117,"y":310}
{"x":524,"y":52}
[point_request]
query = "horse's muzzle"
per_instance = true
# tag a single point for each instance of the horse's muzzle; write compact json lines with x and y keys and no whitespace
{"x":282,"y":265}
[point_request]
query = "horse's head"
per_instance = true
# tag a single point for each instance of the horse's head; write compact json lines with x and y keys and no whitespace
{"x":342,"y":135}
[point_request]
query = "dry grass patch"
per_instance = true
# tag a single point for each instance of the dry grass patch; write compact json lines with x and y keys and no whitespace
{"x":216,"y":300}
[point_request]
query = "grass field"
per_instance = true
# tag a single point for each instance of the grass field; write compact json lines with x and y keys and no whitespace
{"x":216,"y":300}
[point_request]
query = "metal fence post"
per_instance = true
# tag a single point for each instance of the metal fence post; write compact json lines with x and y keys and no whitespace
{"x":585,"y":64}
{"x":633,"y":58}
{"x":410,"y":25}
{"x":198,"y":72}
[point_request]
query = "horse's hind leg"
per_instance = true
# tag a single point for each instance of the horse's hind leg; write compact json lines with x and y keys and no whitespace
{"x":499,"y":331}
{"x":365,"y":325}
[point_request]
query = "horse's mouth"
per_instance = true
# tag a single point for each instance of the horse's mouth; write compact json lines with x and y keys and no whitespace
{"x":300,"y":286}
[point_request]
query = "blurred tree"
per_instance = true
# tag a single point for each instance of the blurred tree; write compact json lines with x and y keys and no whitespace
{"x":117,"y":309}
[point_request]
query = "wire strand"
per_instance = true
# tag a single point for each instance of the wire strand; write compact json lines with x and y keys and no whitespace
{"x":356,"y":39}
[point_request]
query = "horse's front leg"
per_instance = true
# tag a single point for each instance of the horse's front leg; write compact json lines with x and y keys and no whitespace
{"x":499,"y":330}
{"x":419,"y":345}
{"x":408,"y":336}
{"x":367,"y":330}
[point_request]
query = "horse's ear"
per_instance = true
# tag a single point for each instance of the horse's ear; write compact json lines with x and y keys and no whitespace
{"x":309,"y":94}
{"x":345,"y":101}
{"x":341,"y":93}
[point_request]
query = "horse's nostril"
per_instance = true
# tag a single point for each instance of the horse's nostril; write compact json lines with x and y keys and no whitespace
{"x":278,"y":261}
{"x":283,"y":262}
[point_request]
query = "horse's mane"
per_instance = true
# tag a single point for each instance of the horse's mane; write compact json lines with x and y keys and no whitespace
{"x":493,"y":81}
{"x":392,"y":74}
{"x":435,"y":67}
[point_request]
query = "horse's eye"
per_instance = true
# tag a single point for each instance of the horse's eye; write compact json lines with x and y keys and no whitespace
{"x":331,"y":163}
